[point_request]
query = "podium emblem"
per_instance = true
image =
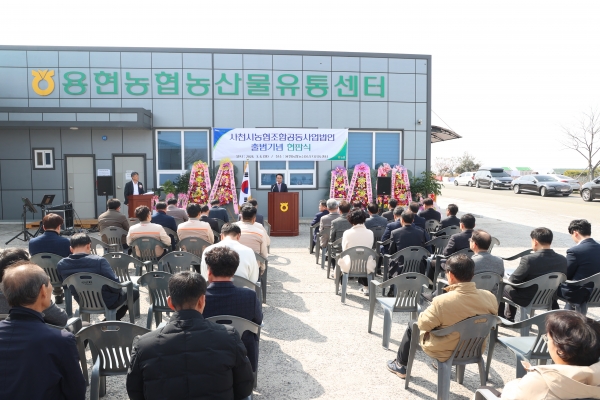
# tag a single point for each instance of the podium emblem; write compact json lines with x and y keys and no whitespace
{"x":283,"y":207}
{"x":42,"y":75}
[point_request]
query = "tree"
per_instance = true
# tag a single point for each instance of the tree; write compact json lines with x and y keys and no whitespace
{"x":585,"y":140}
{"x":444,"y":165}
{"x":466,"y":163}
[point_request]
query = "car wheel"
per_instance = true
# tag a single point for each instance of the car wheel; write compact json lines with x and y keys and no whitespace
{"x":586,"y":195}
{"x":516,"y":189}
{"x":544,"y":192}
{"x":491,"y":185}
{"x":477,"y":184}
{"x":469,"y":184}
{"x":455,"y":182}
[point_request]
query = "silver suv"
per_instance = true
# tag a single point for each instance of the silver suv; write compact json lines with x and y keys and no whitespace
{"x":492,"y":178}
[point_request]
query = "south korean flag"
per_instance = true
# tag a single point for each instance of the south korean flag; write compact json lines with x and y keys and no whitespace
{"x":245,"y":188}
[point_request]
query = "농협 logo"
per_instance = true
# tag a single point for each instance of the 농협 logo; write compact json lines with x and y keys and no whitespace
{"x":43,"y":75}
{"x":283,"y":207}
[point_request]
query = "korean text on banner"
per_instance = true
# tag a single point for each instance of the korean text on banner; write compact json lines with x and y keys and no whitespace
{"x":263,"y":144}
{"x":245,"y":188}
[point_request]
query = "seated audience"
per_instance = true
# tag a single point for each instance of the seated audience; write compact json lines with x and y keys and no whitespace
{"x":223,"y":298}
{"x":357,"y":205}
{"x":52,"y":315}
{"x":230,"y":238}
{"x":161,"y":218}
{"x":340,"y":224}
{"x":147,"y":229}
{"x":542,"y":262}
{"x":253,"y":236}
{"x":326,"y":220}
{"x":484,"y":262}
{"x":317,"y":220}
{"x":574,"y":346}
{"x":113,"y":217}
{"x":374,"y":218}
{"x":216,"y":211}
{"x":358,"y":235}
{"x":460,"y":241}
{"x":406,"y":236}
{"x":419,"y":221}
{"x":194,"y":227}
{"x":36,"y":360}
{"x":83,"y":261}
{"x":190,"y":357}
{"x":259,"y":218}
{"x":389,"y":214}
{"x":392,"y":226}
{"x":214,"y":225}
{"x":583,"y":261}
{"x":462,"y":300}
{"x":429,"y":211}
{"x":176,"y":212}
{"x":451,"y":218}
{"x":51,"y":242}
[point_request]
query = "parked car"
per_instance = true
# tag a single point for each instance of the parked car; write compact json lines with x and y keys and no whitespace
{"x":575,"y":185}
{"x":545,"y":185}
{"x":591,"y":190}
{"x":492,"y":178}
{"x":466,"y":178}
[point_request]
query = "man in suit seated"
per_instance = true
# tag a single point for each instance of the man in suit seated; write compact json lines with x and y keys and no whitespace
{"x":217,"y":212}
{"x":407,"y":236}
{"x":36,"y":360}
{"x":134,"y":186}
{"x":147,"y":229}
{"x":114,"y":217}
{"x":317,"y":220}
{"x":51,"y":242}
{"x":451,"y":218}
{"x":374,"y":219}
{"x":389,"y":214}
{"x":419,"y":221}
{"x":484,"y":261}
{"x":194,"y":227}
{"x":542,"y":262}
{"x":326,"y":220}
{"x":176,"y":212}
{"x":83,"y":261}
{"x":279,"y":186}
{"x":340,"y":224}
{"x":161,"y":218}
{"x":223,"y":298}
{"x":583,"y":261}
{"x":214,"y":225}
{"x":429,"y":212}
{"x":392,"y":226}
{"x":253,"y":235}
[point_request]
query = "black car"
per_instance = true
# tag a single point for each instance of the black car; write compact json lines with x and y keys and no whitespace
{"x":591,"y":190}
{"x":545,"y":185}
{"x":492,"y":178}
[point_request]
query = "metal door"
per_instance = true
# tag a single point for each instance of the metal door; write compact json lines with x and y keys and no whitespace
{"x":81,"y":190}
{"x":124,"y":165}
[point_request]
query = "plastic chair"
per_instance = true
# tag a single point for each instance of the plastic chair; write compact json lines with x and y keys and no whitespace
{"x":413,"y":256}
{"x":158,"y":288}
{"x":241,"y":325}
{"x":333,"y":251}
{"x":378,"y":232}
{"x":542,"y":300}
{"x":73,"y":325}
{"x":484,"y":281}
{"x":438,"y":243}
{"x":519,"y":255}
{"x":322,"y":251}
{"x":114,"y":237}
{"x":263,"y":277}
{"x":111,"y":347}
{"x":593,"y":300}
{"x":448,"y":231}
{"x":240,"y":282}
{"x":432,"y":225}
{"x":311,"y":247}
{"x":119,"y":263}
{"x":193,"y":245}
{"x":133,"y":221}
{"x":89,"y":290}
{"x":359,"y":256}
{"x":495,"y":242}
{"x":95,"y":244}
{"x":177,"y":261}
{"x":146,"y":247}
{"x":217,"y":236}
{"x":408,"y":288}
{"x":469,"y":350}
{"x":220,"y":223}
{"x":47,"y":262}
{"x":438,"y":262}
{"x":267,"y":227}
{"x":172,"y":234}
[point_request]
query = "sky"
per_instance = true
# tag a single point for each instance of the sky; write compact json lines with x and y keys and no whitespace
{"x":506,"y":76}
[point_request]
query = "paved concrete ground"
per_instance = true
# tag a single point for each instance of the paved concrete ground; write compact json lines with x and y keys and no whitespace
{"x":312,"y":346}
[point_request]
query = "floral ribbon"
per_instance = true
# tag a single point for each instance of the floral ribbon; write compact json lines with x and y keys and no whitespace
{"x":339,"y":183}
{"x":199,"y":186}
{"x":401,"y":185}
{"x":224,"y":188}
{"x":360,"y":186}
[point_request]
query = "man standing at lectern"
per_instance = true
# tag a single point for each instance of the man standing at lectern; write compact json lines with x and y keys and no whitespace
{"x":279,"y":186}
{"x":134,"y":186}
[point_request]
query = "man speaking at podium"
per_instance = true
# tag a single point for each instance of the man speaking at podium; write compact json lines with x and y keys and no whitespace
{"x":134,"y":186}
{"x":279,"y":186}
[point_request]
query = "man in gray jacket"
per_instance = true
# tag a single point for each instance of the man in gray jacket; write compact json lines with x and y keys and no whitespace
{"x":326,"y":220}
{"x":485,"y":262}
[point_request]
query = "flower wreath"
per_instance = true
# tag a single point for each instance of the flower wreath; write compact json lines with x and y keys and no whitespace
{"x":360,"y":186}
{"x":339,"y":183}
{"x":199,"y":187}
{"x":224,"y":188}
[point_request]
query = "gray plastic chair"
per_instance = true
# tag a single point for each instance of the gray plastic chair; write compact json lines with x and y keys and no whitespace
{"x":95,"y":244}
{"x":469,"y":350}
{"x":438,"y":243}
{"x":263,"y":277}
{"x":177,"y":261}
{"x":495,"y":242}
{"x":518,"y":255}
{"x":311,"y":248}
{"x":267,"y":228}
{"x":217,"y":236}
{"x":542,"y":300}
{"x":146,"y":246}
{"x":111,"y":347}
{"x":408,"y":288}
{"x":378,"y":232}
{"x":158,"y":288}
{"x":89,"y":290}
{"x":413,"y":256}
{"x":220,"y":224}
{"x":593,"y":300}
{"x":193,"y":245}
{"x":240,"y":282}
{"x":114,"y":237}
{"x":333,"y":251}
{"x":359,"y":256}
{"x":322,"y":251}
{"x":438,"y":262}
{"x":524,"y":348}
{"x":172,"y":234}
{"x":448,"y":231}
{"x":119,"y":263}
{"x":73,"y":325}
{"x":432,"y":225}
{"x":47,"y":262}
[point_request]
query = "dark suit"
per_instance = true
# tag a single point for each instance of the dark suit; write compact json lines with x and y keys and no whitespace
{"x":404,"y":237}
{"x":389,"y":215}
{"x":50,"y":242}
{"x":129,"y":189}
{"x":540,"y":263}
{"x":583,"y":261}
{"x":38,"y":361}
{"x":375,"y":220}
{"x":219,"y":213}
{"x":430,"y":213}
{"x":214,"y":225}
{"x":388,"y":233}
{"x":223,"y":298}
{"x":166,"y":221}
{"x":452,"y":220}
{"x":317,"y":220}
{"x":419,"y":221}
{"x":457,"y":242}
{"x":274,"y":188}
